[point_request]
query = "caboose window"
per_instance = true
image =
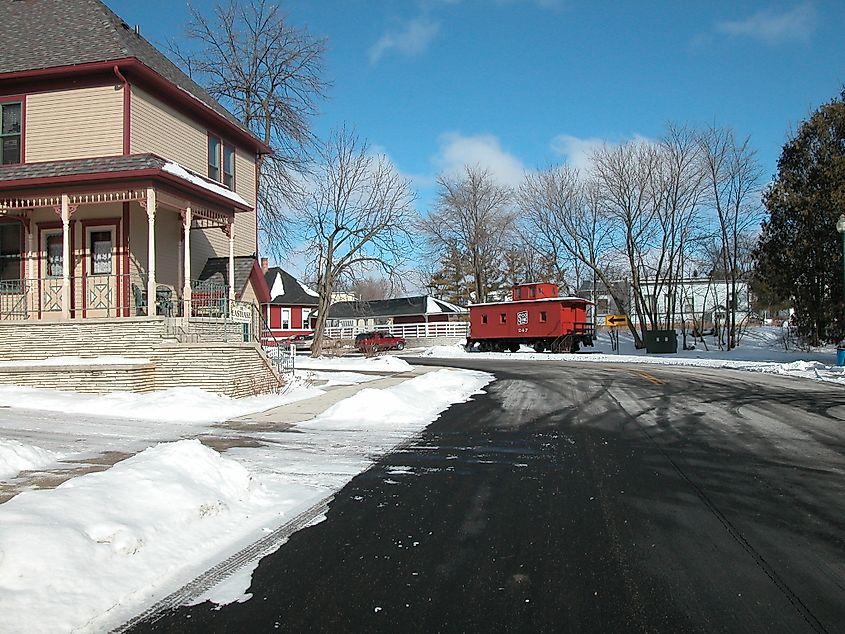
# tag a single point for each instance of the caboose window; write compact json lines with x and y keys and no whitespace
{"x":542,"y":316}
{"x":531,"y":292}
{"x":503,"y":318}
{"x":484,"y":319}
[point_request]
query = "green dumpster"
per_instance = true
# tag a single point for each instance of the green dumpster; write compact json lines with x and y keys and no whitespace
{"x":661,"y":341}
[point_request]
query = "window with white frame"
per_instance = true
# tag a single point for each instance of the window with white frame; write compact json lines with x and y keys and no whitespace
{"x":306,"y":318}
{"x":285,"y":318}
{"x":214,"y":146}
{"x":229,"y":166}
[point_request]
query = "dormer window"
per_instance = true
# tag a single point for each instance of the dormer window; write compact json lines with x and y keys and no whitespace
{"x":11,"y":125}
{"x":214,"y":146}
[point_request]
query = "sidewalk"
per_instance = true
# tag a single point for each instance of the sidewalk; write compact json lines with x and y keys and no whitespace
{"x":237,"y":432}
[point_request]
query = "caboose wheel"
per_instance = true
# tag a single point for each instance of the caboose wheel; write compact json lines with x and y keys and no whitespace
{"x":514,"y":347}
{"x":539,"y":347}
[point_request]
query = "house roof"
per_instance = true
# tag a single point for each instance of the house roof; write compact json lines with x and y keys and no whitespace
{"x":285,"y":289}
{"x":42,"y":34}
{"x":402,"y":306}
{"x":218,"y":269}
{"x":109,"y":167}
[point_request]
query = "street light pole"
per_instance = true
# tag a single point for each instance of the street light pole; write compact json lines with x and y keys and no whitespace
{"x":840,"y":227}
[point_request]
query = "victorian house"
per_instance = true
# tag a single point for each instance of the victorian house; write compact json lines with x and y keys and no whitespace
{"x":126,"y":191}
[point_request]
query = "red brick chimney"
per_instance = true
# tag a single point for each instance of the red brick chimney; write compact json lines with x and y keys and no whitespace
{"x":265,"y":264}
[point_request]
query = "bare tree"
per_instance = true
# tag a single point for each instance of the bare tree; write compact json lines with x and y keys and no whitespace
{"x":367,"y":289}
{"x":566,"y":221}
{"x":354,"y":220}
{"x":269,"y":73}
{"x":733,"y":180}
{"x":472,"y":217}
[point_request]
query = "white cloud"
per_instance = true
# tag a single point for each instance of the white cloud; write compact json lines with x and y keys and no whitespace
{"x":457,"y":151}
{"x":412,"y":38}
{"x":577,"y":152}
{"x":774,"y":26}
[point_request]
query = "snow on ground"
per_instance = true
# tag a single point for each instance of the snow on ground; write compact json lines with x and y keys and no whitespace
{"x":337,"y":377}
{"x":761,"y":350}
{"x":16,"y":456}
{"x":183,"y":404}
{"x":94,"y":551}
{"x":382,"y":363}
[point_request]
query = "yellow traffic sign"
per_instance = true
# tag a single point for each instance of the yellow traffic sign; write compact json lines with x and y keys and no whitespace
{"x":616,"y":320}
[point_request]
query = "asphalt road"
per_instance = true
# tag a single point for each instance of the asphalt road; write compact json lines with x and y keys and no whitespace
{"x":579,"y":498}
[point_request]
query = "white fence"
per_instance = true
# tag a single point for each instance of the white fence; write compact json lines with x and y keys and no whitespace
{"x":409,"y":331}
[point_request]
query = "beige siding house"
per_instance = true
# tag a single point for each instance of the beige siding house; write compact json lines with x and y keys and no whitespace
{"x":126,"y":191}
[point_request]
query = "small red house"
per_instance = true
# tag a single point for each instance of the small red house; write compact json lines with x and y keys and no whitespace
{"x":292,"y":304}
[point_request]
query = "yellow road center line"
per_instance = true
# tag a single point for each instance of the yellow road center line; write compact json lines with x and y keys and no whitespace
{"x":648,"y":377}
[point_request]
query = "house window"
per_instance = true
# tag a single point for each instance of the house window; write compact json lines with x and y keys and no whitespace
{"x":229,"y":166}
{"x":11,"y":123}
{"x":286,"y":319}
{"x":306,"y":316}
{"x":55,"y":256}
{"x":503,"y":318}
{"x":101,"y":253}
{"x":214,"y":158}
{"x":542,"y":316}
{"x":11,"y":246}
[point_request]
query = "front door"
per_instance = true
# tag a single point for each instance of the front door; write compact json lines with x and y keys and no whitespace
{"x":101,"y":279}
{"x":51,"y":282}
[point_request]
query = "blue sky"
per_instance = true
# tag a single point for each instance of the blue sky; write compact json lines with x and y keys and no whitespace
{"x":516,"y":84}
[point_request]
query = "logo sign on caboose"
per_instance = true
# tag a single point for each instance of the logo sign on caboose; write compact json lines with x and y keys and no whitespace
{"x":522,"y":318}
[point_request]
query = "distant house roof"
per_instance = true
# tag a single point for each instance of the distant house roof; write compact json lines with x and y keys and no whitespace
{"x":285,"y":289}
{"x":42,"y":34}
{"x":399,"y":307}
{"x":246,"y":268}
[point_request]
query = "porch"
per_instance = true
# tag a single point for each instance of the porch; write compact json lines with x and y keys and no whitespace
{"x":129,"y":253}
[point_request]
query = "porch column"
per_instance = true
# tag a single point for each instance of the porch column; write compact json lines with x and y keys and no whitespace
{"x":231,"y":234}
{"x":66,"y":263}
{"x":186,"y":288}
{"x":151,"y":251}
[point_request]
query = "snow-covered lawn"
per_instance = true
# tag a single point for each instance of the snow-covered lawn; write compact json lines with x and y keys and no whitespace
{"x":91,"y":553}
{"x":761,"y":350}
{"x":382,"y":363}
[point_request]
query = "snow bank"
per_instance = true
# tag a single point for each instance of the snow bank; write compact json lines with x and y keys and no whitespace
{"x":185,"y":404}
{"x":385,"y":363}
{"x":411,"y":404}
{"x":16,"y":457}
{"x":71,"y":554}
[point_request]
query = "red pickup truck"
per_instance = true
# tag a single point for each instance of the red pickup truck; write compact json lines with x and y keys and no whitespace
{"x":375,"y":341}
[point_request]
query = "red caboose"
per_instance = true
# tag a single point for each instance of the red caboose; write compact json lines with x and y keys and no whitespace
{"x":536,"y":317}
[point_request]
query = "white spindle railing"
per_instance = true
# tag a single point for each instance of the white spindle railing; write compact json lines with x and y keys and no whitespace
{"x":409,"y":331}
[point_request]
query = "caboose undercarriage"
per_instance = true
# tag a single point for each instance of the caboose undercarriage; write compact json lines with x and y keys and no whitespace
{"x":571,"y":342}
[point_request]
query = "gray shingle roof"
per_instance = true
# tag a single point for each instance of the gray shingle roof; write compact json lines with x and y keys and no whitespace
{"x":39,"y":34}
{"x":294,"y":293}
{"x":386,"y":308}
{"x":219,"y":269}
{"x":79,"y":167}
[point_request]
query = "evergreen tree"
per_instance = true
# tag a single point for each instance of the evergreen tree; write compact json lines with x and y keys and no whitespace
{"x":799,"y":256}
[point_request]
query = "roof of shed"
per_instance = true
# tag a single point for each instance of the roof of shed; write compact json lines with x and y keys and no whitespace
{"x":40,"y":34}
{"x":218,"y":268}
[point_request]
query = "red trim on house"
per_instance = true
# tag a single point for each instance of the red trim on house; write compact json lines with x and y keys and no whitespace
{"x":127,"y":113}
{"x":125,"y":230}
{"x":31,"y":183}
{"x":22,"y":99}
{"x":114,"y":223}
{"x":259,"y":283}
{"x":161,"y":86}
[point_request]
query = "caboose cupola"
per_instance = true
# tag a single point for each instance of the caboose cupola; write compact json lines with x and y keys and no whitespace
{"x":537,"y":290}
